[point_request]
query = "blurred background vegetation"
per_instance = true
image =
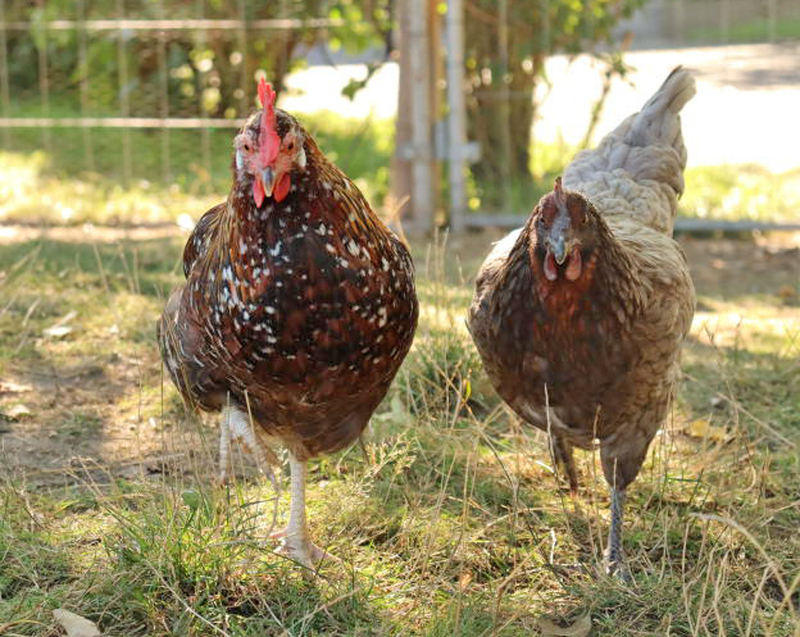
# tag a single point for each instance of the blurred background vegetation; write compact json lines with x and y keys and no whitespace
{"x":57,"y":61}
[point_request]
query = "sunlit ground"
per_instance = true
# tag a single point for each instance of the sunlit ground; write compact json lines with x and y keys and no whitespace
{"x":37,"y":189}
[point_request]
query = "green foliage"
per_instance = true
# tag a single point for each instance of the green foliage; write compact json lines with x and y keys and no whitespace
{"x":725,"y":192}
{"x":506,"y":46}
{"x":363,"y":24}
{"x":28,"y":559}
{"x":741,"y":192}
{"x":786,"y":28}
{"x":179,"y":72}
{"x":60,"y":188}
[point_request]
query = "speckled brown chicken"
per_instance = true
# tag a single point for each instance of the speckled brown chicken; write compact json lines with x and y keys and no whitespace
{"x":580,"y":315}
{"x":298,"y":307}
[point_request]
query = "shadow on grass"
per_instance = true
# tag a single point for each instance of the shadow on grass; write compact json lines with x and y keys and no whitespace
{"x":449,"y":518}
{"x":738,"y":384}
{"x":146,"y":267}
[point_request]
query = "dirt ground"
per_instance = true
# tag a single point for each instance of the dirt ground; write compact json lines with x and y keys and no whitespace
{"x":59,"y":425}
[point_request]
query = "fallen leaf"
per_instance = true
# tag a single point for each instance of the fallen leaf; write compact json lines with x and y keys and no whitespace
{"x":60,"y":329}
{"x":787,"y":292}
{"x":718,"y":402}
{"x":580,"y":627}
{"x":66,"y":318}
{"x":17,"y":412}
{"x":702,"y":428}
{"x":10,"y":387}
{"x":57,"y":331}
{"x":191,"y":498}
{"x":75,"y":625}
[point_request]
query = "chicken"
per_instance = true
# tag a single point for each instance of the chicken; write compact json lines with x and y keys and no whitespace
{"x":298,"y":308}
{"x":579,"y":316}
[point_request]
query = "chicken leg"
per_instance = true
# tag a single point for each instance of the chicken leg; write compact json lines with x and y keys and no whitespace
{"x":562,"y":452}
{"x":236,"y":425}
{"x":296,"y":541}
{"x":614,"y":558}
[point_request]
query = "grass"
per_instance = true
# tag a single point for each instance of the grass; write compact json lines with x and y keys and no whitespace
{"x":37,"y":187}
{"x":62,"y":186}
{"x":741,"y":192}
{"x":449,"y":521}
{"x":786,"y":28}
{"x":726,"y":192}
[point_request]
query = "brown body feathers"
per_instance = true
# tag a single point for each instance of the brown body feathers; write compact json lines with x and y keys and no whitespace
{"x":580,"y":315}
{"x":298,"y":310}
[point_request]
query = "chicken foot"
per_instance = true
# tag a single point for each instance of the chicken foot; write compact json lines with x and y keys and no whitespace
{"x":562,"y":452}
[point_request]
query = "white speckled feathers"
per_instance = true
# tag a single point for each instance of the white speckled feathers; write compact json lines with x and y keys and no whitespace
{"x":297,"y":310}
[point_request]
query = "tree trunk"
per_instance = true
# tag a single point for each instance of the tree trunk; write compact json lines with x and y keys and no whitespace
{"x":503,"y":129}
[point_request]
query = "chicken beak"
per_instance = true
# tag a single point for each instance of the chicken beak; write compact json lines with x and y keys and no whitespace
{"x":268,"y":180}
{"x":559,"y":249}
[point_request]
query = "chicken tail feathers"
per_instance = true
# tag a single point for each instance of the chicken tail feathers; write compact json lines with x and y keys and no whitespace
{"x":636,"y":172}
{"x":658,"y":123}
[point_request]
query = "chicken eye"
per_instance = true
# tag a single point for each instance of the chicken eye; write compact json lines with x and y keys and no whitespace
{"x":247,"y":147}
{"x":290,"y":146}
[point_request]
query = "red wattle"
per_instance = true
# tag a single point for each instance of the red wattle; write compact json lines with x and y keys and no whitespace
{"x":550,"y":271}
{"x":282,"y":188}
{"x":258,"y":192}
{"x":575,"y":264}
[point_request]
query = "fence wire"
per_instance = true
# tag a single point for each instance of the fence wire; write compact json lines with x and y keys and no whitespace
{"x":128,"y":91}
{"x":149,"y":91}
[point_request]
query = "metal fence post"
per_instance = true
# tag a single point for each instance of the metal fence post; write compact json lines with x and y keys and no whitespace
{"x":163,"y":84}
{"x":422,"y":190}
{"x":245,"y":104}
{"x":44,"y":87}
{"x":456,"y":119}
{"x":124,"y":101}
{"x":88,"y":149}
{"x":772,"y":20}
{"x":205,"y":136}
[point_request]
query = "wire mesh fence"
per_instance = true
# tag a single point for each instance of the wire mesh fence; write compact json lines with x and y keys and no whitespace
{"x":508,"y":46}
{"x":142,"y":90}
{"x":138,"y":92}
{"x":683,"y":22}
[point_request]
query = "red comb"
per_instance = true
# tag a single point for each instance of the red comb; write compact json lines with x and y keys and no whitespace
{"x":559,"y":192}
{"x":268,"y":141}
